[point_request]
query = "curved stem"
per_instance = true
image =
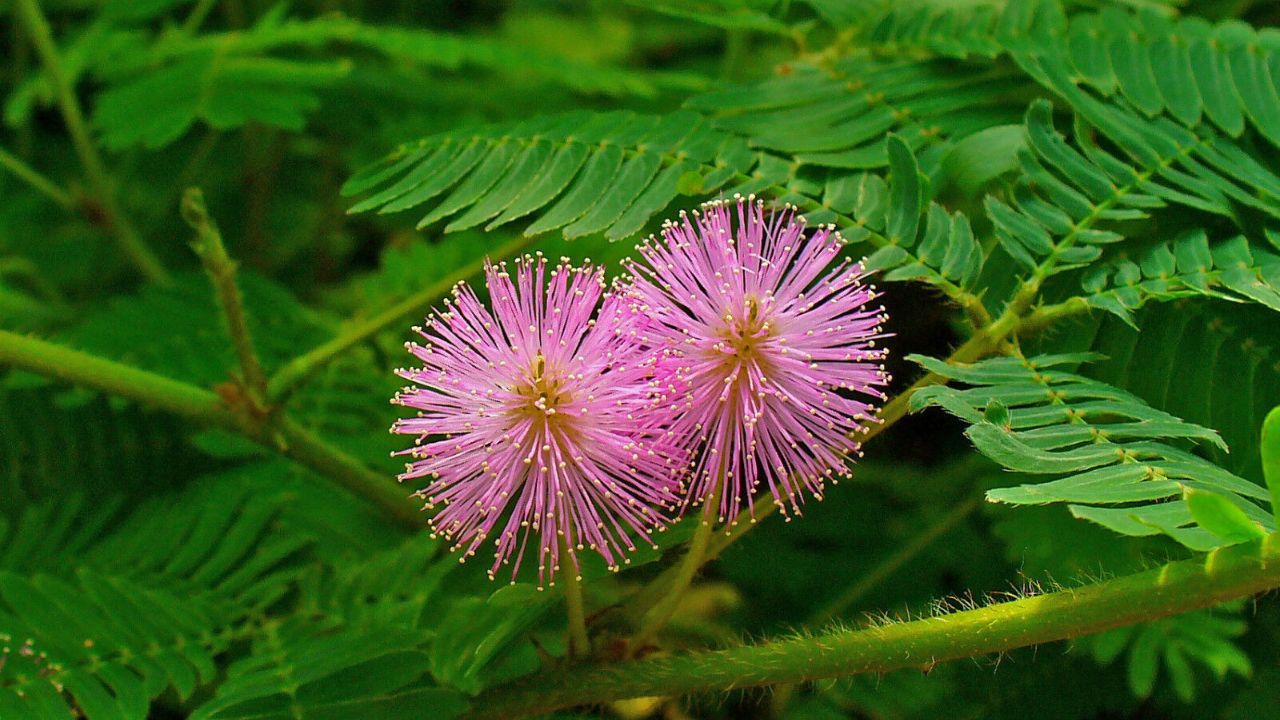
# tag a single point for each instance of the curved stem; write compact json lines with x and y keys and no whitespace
{"x":289,"y":377}
{"x":95,"y":171}
{"x":579,"y":642}
{"x":203,"y":406}
{"x":665,"y":605}
{"x":1222,"y":575}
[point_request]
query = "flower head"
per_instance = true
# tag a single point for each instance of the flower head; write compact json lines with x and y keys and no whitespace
{"x":774,"y":356}
{"x":538,"y":420}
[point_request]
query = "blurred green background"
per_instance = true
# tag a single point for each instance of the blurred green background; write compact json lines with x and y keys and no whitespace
{"x":219,"y":580}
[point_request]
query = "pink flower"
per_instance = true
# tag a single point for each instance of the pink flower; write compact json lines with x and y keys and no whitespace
{"x":775,"y":363}
{"x":539,"y":420}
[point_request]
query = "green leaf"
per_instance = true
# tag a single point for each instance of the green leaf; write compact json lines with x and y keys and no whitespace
{"x":1270,"y":449}
{"x":907,"y":196}
{"x":974,"y":162}
{"x":1220,"y":516}
{"x":585,"y":173}
{"x":1111,"y":456}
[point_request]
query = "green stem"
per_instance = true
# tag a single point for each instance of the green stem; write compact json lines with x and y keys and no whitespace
{"x":37,"y":26}
{"x":737,"y":46}
{"x":197,"y":16}
{"x":905,"y":554}
{"x":676,"y":585}
{"x":296,"y":443}
{"x":1225,"y":574}
{"x":289,"y":377}
{"x":207,"y":408}
{"x":80,"y":368}
{"x":222,"y":272}
{"x":39,"y":182}
{"x":579,"y":642}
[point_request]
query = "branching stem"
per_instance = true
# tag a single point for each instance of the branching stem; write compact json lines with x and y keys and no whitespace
{"x":894,"y":562}
{"x":197,"y":16}
{"x":99,"y":179}
{"x":207,"y":408}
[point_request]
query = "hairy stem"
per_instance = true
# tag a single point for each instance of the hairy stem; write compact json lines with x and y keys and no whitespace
{"x":205,"y":407}
{"x":36,"y":180}
{"x":1222,"y":575}
{"x":289,"y":377}
{"x":579,"y":642}
{"x":37,"y":27}
{"x":222,"y":271}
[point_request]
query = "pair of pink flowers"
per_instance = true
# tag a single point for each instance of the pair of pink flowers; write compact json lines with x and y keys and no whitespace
{"x":570,"y":415}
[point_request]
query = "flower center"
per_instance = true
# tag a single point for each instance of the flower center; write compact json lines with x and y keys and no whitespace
{"x":543,"y":394}
{"x":743,"y":333}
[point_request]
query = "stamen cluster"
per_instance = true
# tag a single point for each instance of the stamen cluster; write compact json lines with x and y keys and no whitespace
{"x":776,"y":364}
{"x":740,"y":352}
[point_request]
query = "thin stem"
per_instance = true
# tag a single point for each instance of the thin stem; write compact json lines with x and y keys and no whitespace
{"x":579,"y":643}
{"x":1224,"y":574}
{"x":289,"y":377}
{"x":207,"y":408}
{"x":665,"y":606}
{"x":197,"y":16}
{"x":222,"y":271}
{"x":95,"y":171}
{"x":36,"y":180}
{"x":905,"y":554}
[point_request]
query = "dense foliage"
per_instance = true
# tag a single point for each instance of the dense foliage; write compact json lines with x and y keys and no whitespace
{"x":220,"y":218}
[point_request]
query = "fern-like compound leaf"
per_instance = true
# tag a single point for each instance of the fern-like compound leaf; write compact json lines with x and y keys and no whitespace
{"x":1114,"y":459}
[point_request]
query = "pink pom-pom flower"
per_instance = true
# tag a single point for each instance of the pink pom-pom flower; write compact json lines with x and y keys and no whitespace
{"x":538,"y":420}
{"x":772,"y":356}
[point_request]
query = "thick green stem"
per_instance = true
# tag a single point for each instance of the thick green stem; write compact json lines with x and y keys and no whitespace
{"x":222,"y":272}
{"x":80,"y":368}
{"x":206,"y":407}
{"x":39,"y":182}
{"x":95,"y":171}
{"x":1222,"y":575}
{"x":287,"y":378}
{"x":579,"y":642}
